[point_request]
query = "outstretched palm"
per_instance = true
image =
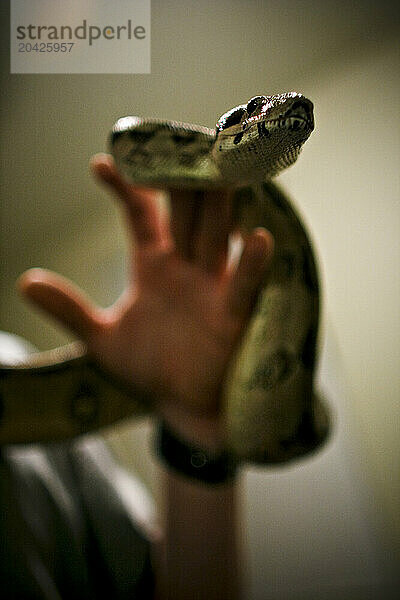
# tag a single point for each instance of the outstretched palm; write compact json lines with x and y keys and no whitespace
{"x":174,"y":329}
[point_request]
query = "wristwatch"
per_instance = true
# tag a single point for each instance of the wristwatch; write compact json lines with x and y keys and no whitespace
{"x":193,"y":461}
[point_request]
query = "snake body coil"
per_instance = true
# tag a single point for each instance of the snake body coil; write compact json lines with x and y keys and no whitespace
{"x":271,"y":410}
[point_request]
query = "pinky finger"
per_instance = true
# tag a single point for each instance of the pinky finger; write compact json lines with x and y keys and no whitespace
{"x":251,"y":272}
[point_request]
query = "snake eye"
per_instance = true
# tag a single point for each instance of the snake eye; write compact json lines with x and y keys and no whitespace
{"x":254,"y":103}
{"x":233,"y":117}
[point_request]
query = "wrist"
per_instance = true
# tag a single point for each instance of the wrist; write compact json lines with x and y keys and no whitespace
{"x":193,"y":460}
{"x":192,"y":427}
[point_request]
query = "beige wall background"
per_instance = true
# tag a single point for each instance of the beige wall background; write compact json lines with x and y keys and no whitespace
{"x":327,"y":527}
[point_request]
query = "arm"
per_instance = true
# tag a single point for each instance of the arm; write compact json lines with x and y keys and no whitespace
{"x":200,"y":547}
{"x":172,"y":334}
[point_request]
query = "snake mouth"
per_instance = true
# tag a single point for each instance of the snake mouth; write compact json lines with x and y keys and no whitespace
{"x":298,"y":116}
{"x":289,"y":113}
{"x":295,"y":123}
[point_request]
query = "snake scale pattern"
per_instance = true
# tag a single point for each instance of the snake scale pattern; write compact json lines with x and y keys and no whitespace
{"x":271,"y":410}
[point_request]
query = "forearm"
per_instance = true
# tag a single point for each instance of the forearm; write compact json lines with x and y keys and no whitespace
{"x":198,"y":557}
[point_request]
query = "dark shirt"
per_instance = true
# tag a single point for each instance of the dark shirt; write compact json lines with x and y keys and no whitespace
{"x":68,"y":526}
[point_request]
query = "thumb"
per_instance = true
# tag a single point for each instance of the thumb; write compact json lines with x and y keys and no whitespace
{"x":61,"y":299}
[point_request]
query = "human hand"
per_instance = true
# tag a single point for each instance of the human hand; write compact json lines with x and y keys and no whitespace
{"x":176,"y":326}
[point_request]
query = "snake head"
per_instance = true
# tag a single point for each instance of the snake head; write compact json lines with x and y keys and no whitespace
{"x":257,"y":140}
{"x":291,"y":111}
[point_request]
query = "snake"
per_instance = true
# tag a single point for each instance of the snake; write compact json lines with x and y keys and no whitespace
{"x":271,"y":409}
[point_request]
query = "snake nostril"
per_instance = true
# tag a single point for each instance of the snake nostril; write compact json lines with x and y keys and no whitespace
{"x":302,"y":106}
